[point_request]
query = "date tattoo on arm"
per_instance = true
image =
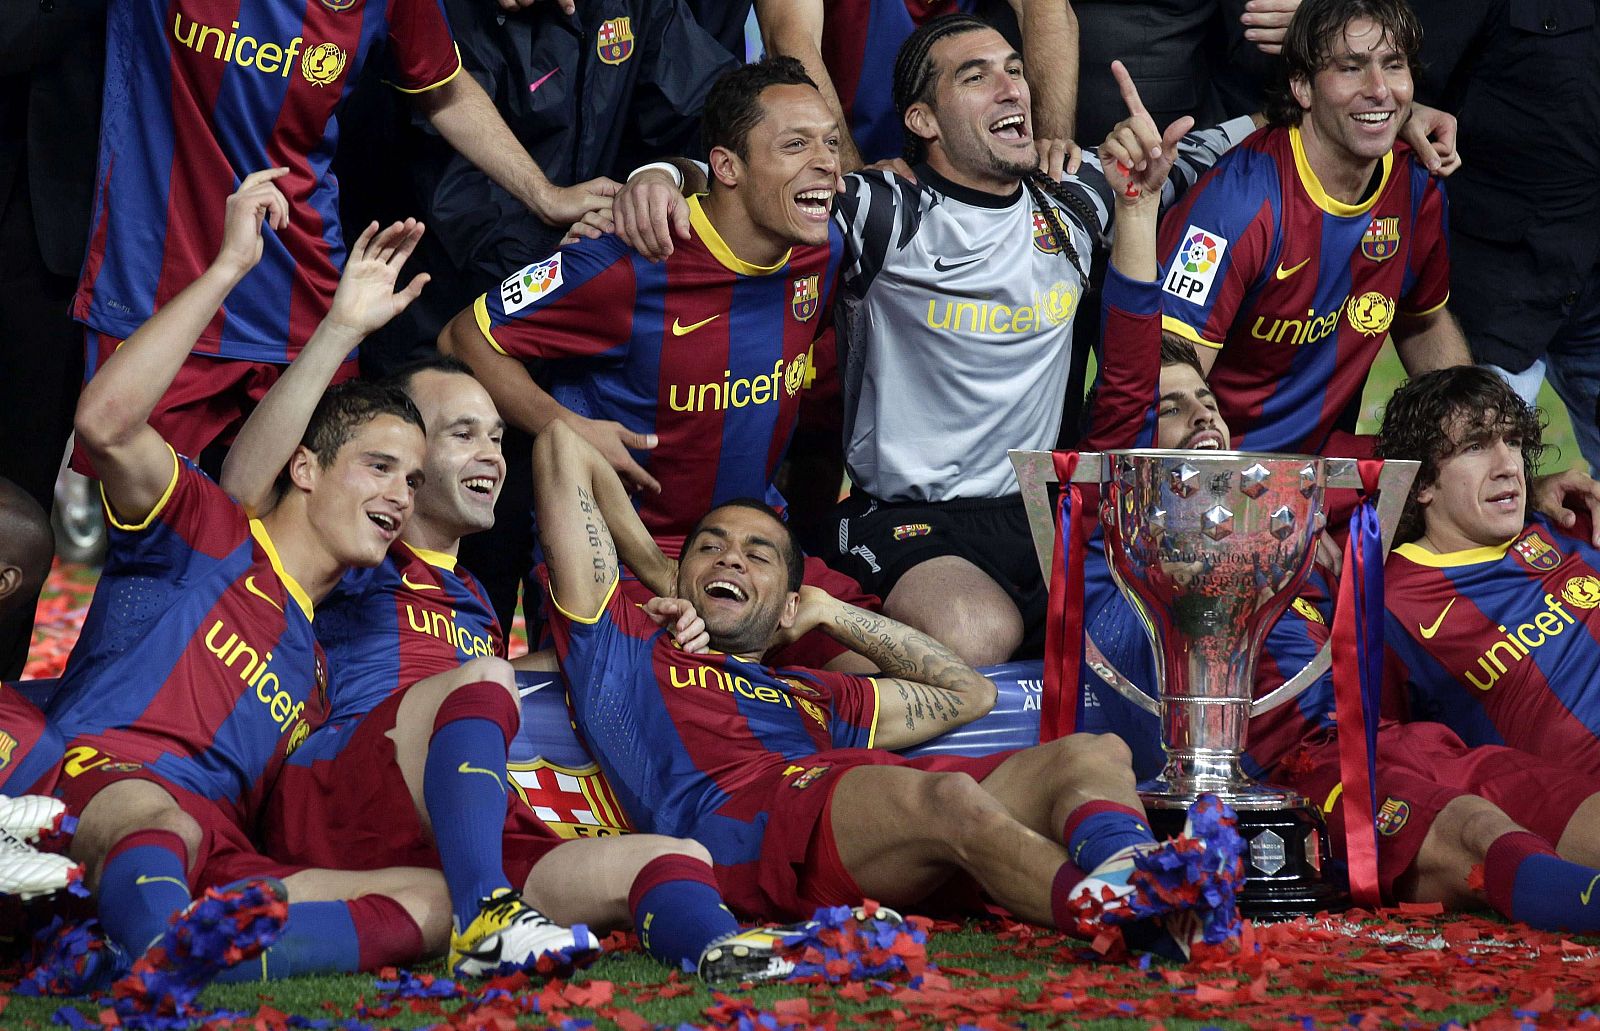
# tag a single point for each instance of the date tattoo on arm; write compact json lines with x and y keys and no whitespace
{"x":602,"y":550}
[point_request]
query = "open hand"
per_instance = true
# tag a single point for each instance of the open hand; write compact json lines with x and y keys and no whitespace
{"x":366,"y":298}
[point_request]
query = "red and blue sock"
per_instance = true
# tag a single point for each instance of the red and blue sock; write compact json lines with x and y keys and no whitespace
{"x":145,"y":880}
{"x":677,"y":910}
{"x":1527,"y":881}
{"x":1096,"y":831}
{"x":463,"y":785}
{"x":368,"y":933}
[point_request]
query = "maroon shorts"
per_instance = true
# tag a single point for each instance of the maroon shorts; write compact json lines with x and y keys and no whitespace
{"x":208,"y":400}
{"x":226,"y":853}
{"x":799,"y":868}
{"x":1423,"y":767}
{"x":816,"y":649}
{"x":341,"y":803}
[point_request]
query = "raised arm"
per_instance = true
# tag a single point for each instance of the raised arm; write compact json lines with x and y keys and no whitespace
{"x":132,"y":461}
{"x":365,"y":301}
{"x":925,"y":689}
{"x":588,"y":524}
{"x":1050,"y":53}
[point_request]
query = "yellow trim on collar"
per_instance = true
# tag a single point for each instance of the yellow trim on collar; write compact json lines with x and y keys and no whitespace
{"x":298,"y":593}
{"x":437,"y":559}
{"x":1319,"y":196}
{"x":1470,"y":557}
{"x":719,"y":247}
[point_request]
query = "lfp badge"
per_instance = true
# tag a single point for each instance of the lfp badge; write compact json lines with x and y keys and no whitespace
{"x":1381,"y":241}
{"x":615,"y":40}
{"x":804,"y":304}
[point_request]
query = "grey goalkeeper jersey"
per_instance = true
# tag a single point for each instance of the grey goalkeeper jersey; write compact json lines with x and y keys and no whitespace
{"x":955,"y":320}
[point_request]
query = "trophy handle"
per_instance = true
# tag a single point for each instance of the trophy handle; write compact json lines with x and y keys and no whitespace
{"x":1036,"y":471}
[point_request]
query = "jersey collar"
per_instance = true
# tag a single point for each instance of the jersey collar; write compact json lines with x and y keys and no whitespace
{"x":1319,"y":196}
{"x":298,"y":593}
{"x":1470,"y":557}
{"x":964,"y":194}
{"x":719,"y":248}
{"x":437,"y":559}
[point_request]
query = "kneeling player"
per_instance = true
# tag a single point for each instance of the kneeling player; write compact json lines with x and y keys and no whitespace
{"x":197,"y":671}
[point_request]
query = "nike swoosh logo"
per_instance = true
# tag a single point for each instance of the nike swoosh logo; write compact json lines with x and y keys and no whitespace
{"x":250,"y":585}
{"x":1285,"y":273}
{"x":523,"y":692}
{"x":143,"y":879}
{"x":464,"y":768}
{"x":1429,"y":631}
{"x":1586,"y":894}
{"x":679,"y":330}
{"x":541,"y":80}
{"x":416,"y":586}
{"x":940,"y":266}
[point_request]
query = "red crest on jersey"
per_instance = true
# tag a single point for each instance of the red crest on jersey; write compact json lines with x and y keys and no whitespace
{"x":573,"y":802}
{"x":804,"y":304}
{"x":8,"y":744}
{"x":1044,"y":234}
{"x":1537,"y":552}
{"x":1381,"y":241}
{"x":614,"y":43}
{"x":1393,"y":816}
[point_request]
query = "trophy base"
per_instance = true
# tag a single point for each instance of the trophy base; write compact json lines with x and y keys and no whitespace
{"x":1288,"y":863}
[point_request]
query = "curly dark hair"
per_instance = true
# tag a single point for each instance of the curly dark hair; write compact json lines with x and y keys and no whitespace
{"x":1434,"y":415}
{"x":733,"y":107}
{"x":1317,"y":28}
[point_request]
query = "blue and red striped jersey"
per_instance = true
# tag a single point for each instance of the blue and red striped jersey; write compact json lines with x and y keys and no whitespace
{"x":1296,"y":289}
{"x":200,"y":93}
{"x":1502,"y":644}
{"x":30,"y":746}
{"x":679,"y":735}
{"x":860,"y":39}
{"x":197,"y":658}
{"x":708,"y":352}
{"x":417,"y":614}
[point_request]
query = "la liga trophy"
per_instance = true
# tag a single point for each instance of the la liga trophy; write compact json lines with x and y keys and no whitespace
{"x":1210,"y":548}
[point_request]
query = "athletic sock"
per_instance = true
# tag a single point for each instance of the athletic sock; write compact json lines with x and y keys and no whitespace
{"x":144,"y":882}
{"x":677,"y":910}
{"x":1067,"y":877}
{"x":368,"y":933}
{"x":1096,"y":831}
{"x":1527,"y":881}
{"x":463,"y":784}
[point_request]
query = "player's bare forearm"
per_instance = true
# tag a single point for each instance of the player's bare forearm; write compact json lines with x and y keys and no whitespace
{"x":579,"y":552}
{"x":793,"y":28}
{"x":1428,"y":342}
{"x":1050,"y":53}
{"x":522,"y":402}
{"x":1133,"y":236}
{"x":465,"y":116}
{"x":926,"y":689}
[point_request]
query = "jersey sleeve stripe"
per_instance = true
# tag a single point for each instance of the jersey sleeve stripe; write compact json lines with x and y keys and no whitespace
{"x":172,"y":485}
{"x":1428,"y":311}
{"x":1177,"y":327}
{"x":877,"y":709}
{"x":605,"y":603}
{"x":431,"y":86}
{"x":480,"y":312}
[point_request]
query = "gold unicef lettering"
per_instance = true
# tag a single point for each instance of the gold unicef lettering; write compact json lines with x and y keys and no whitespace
{"x":733,"y":393}
{"x":411,"y":618}
{"x":211,"y":641}
{"x":232,"y":38}
{"x":769,"y":694}
{"x":943,"y":323}
{"x":266,"y":687}
{"x":269,"y":57}
{"x":281,"y":709}
{"x":222,"y":39}
{"x":1547,"y":622}
{"x":1025,"y":319}
{"x":974,"y":322}
{"x":177,"y":31}
{"x":1507,"y":645}
{"x":1528,"y":628}
{"x":672,"y":399}
{"x":245,"y":62}
{"x":250,"y":664}
{"x":1491,"y":676}
{"x":688,"y":677}
{"x":1000,"y":319}
{"x":763,"y":390}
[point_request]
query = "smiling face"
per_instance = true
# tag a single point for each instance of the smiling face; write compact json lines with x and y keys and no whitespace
{"x":787,"y":179}
{"x":1356,"y":102}
{"x":1187,"y":418}
{"x":1478,"y":498}
{"x":977,"y":124}
{"x":359,"y":503}
{"x":465,"y":468}
{"x":735,"y":572}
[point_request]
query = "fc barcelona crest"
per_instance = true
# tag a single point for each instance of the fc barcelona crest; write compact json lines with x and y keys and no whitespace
{"x":615,"y":40}
{"x":8,"y":745}
{"x":804,"y":304}
{"x":1537,"y":552}
{"x":1392,"y":816}
{"x":573,"y":802}
{"x":1381,"y":241}
{"x":1044,"y":234}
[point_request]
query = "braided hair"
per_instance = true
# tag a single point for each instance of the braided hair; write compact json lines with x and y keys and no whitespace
{"x":913,"y":84}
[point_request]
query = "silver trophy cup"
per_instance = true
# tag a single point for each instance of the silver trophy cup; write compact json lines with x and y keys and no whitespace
{"x":1210,"y":547}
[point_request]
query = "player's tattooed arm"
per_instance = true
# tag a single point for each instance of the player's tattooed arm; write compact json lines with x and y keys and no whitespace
{"x":926,"y":688}
{"x":587,"y":524}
